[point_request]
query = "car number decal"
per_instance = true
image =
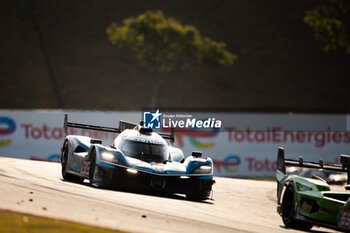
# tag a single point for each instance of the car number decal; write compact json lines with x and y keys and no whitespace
{"x":344,"y":217}
{"x":86,"y":168}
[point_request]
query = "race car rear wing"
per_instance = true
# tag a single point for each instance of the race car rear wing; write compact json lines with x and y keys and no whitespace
{"x":282,"y":162}
{"x":123,"y":125}
{"x":170,"y":136}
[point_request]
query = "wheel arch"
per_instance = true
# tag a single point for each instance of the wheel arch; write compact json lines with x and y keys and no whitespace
{"x":97,"y":148}
{"x":62,"y":149}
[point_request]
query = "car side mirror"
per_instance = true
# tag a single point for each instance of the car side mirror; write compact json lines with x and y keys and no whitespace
{"x":95,"y":141}
{"x":176,"y":154}
{"x":196,"y":154}
{"x":345,"y":161}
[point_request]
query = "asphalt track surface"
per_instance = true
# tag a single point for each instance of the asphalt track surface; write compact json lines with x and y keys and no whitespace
{"x":239,"y":205}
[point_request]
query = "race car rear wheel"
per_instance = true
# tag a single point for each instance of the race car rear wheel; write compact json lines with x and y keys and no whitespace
{"x":64,"y":161}
{"x":288,"y":210}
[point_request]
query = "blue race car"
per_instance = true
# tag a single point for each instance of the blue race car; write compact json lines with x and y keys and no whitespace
{"x":137,"y":158}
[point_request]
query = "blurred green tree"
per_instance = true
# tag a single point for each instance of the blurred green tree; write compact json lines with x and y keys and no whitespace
{"x":330,"y":20}
{"x":163,"y":45}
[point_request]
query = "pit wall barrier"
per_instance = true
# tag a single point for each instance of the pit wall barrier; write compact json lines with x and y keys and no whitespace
{"x":245,"y":146}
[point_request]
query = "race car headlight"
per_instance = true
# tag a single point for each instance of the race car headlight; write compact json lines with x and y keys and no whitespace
{"x":204,"y":169}
{"x":131,"y":170}
{"x":109,"y":157}
{"x":304,"y":187}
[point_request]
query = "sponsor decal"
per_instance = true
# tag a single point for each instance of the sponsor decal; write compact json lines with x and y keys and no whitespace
{"x":193,"y":135}
{"x":192,"y":123}
{"x":86,"y":168}
{"x":50,"y":158}
{"x":45,"y":132}
{"x":7,"y":127}
{"x":278,"y":135}
{"x":206,"y":134}
{"x":54,"y":158}
{"x":151,"y":120}
{"x":184,"y":125}
{"x":75,"y":165}
{"x":36,"y":158}
{"x":255,"y":164}
{"x":344,"y":217}
{"x":204,"y":145}
{"x":32,"y":132}
{"x":229,"y":164}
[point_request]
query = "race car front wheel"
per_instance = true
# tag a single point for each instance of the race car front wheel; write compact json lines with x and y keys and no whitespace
{"x":95,"y":173}
{"x":288,"y":210}
{"x":192,"y":197}
{"x":201,"y":190}
{"x":64,"y":161}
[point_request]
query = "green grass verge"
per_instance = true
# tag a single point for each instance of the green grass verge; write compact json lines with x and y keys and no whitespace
{"x":11,"y":222}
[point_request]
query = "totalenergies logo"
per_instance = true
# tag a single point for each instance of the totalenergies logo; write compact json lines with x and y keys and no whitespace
{"x":193,"y":136}
{"x":229,"y":164}
{"x":7,"y":127}
{"x":51,"y":158}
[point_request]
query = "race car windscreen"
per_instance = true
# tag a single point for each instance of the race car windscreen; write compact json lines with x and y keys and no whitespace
{"x":148,"y":152}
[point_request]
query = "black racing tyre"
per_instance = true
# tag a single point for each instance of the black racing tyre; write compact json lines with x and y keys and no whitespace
{"x":200,"y":189}
{"x":288,"y":210}
{"x":192,"y":197}
{"x":95,"y":173}
{"x":64,"y":160}
{"x":92,"y":166}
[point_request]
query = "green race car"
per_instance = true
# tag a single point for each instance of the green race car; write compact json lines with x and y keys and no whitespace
{"x":305,"y":202}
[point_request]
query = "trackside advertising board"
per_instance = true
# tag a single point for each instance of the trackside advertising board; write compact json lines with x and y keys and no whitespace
{"x":240,"y":144}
